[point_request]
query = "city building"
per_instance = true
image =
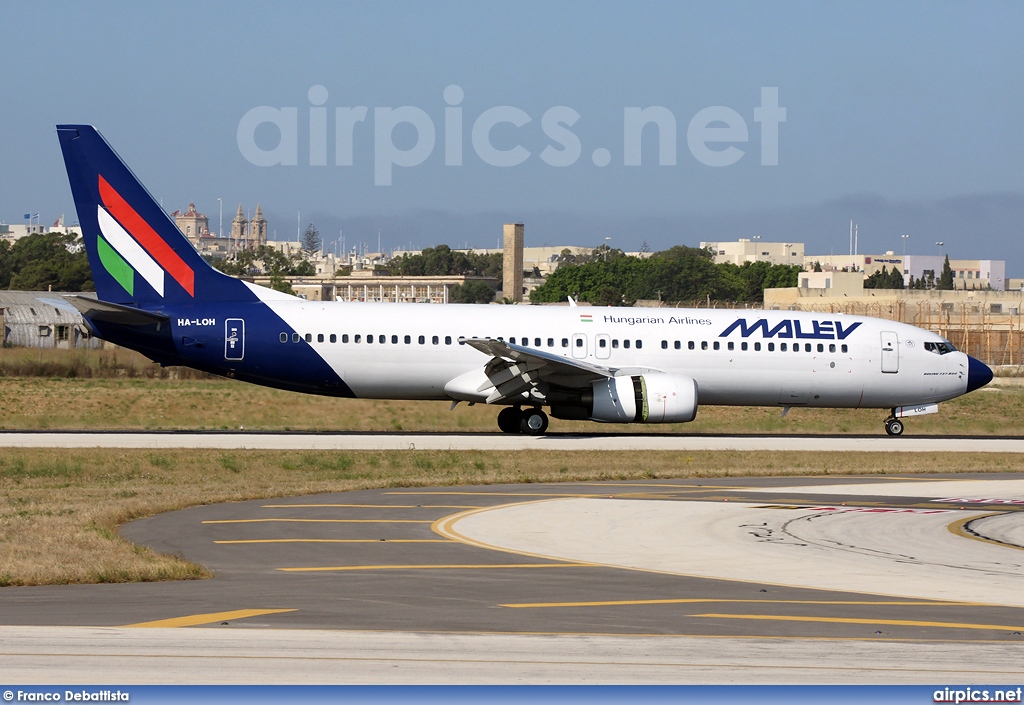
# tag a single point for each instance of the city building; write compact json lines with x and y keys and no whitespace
{"x":364,"y":285}
{"x":967,"y":273}
{"x":244,"y":233}
{"x":16,"y":231}
{"x":755,"y":250}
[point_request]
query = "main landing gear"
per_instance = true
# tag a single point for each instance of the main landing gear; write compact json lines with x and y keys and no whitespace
{"x":515,"y":419}
{"x":893,"y":426}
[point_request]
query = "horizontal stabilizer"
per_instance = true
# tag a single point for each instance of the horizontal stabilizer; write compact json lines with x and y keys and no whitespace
{"x":106,"y":312}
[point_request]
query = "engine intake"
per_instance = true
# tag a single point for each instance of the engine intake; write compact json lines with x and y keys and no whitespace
{"x":650,"y":398}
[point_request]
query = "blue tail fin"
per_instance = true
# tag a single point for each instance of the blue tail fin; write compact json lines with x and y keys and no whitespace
{"x":136,"y":252}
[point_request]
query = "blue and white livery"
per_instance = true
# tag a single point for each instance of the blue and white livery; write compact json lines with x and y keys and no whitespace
{"x":159,"y":297}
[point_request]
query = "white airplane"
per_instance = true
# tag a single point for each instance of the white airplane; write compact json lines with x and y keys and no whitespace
{"x":159,"y":297}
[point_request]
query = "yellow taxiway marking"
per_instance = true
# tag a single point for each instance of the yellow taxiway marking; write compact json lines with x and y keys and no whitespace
{"x":854,"y":620}
{"x":338,"y":541}
{"x":193,"y":620}
{"x":959,"y":528}
{"x":454,"y":566}
{"x":319,"y":521}
{"x":687,"y":601}
{"x":373,"y":506}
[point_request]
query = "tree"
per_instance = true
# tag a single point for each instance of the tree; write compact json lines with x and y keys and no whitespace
{"x":472,"y":292}
{"x":946,"y":278}
{"x":311,"y":240}
{"x":265,"y":259}
{"x":43,"y":261}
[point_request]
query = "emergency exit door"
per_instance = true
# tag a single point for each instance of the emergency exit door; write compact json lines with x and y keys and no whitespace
{"x":890,"y":352}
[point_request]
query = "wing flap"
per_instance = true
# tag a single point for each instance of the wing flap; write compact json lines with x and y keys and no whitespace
{"x":520,"y":374}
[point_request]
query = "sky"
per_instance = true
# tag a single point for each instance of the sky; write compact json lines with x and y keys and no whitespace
{"x":643,"y":122}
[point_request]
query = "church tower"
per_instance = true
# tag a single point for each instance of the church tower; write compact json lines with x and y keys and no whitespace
{"x":258,"y":228}
{"x":239,"y":228}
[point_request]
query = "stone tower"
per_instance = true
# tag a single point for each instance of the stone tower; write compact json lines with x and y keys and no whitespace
{"x":239,"y":228}
{"x":512,"y":263}
{"x":258,"y":228}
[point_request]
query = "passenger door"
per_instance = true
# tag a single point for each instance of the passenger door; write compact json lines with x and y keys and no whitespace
{"x":890,"y":352}
{"x":602,"y":346}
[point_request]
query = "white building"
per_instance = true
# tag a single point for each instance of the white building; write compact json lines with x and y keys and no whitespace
{"x":756,"y":250}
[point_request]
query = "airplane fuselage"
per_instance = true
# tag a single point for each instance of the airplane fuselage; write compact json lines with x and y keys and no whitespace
{"x":411,"y":351}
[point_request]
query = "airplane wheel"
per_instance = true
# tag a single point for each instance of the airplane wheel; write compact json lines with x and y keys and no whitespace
{"x":534,"y":422}
{"x":509,"y":419}
{"x":894,"y":427}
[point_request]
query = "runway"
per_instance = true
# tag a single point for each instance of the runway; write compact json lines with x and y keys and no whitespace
{"x":755,"y":580}
{"x":501,"y":441}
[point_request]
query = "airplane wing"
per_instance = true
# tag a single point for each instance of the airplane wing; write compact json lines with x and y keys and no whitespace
{"x":521,"y":373}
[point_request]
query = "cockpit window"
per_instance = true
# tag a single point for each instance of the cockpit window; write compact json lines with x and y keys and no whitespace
{"x":940,"y":348}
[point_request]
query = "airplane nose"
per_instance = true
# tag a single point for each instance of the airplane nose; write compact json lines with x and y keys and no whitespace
{"x":978,"y":374}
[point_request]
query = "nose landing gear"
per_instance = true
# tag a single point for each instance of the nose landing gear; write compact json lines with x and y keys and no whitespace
{"x":514,"y":419}
{"x":893,"y":426}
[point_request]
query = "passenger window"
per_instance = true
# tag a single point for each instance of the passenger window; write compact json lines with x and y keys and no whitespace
{"x":717,"y":346}
{"x":703,"y":345}
{"x":295,"y":337}
{"x":382,"y":340}
{"x":602,"y":343}
{"x":320,"y":337}
{"x":615,"y":342}
{"x":807,"y":347}
{"x":284,"y":337}
{"x":435,"y":340}
{"x":357,"y":338}
{"x":625,"y":344}
{"x":447,"y":340}
{"x":782,"y":347}
{"x":771,"y":347}
{"x":344,"y":337}
{"x":394,"y":339}
{"x":639,"y":344}
{"x":551,"y":342}
{"x":565,"y":342}
{"x":512,"y":341}
{"x":821,"y":347}
{"x":369,"y":340}
{"x":757,"y":347}
{"x":536,"y":342}
{"x":309,"y":337}
{"x":690,"y":345}
{"x":422,"y":340}
{"x":579,"y":342}
{"x":844,"y":348}
{"x":731,"y":345}
{"x":408,"y":339}
{"x":664,"y":345}
{"x":679,"y":346}
{"x":831,"y":347}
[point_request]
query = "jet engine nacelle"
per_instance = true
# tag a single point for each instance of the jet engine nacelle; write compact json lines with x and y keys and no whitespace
{"x":649,"y":398}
